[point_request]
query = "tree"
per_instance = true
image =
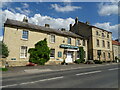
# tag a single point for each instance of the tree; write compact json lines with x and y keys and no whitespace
{"x":40,"y":54}
{"x":3,"y":50}
{"x":81,"y":56}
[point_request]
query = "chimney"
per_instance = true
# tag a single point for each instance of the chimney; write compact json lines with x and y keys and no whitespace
{"x":76,"y":20}
{"x":25,"y":19}
{"x":63,"y":29}
{"x":87,"y":22}
{"x":47,"y":25}
{"x":70,"y":27}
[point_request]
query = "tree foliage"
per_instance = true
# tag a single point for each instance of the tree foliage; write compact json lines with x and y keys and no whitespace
{"x":81,"y":54}
{"x":40,"y":54}
{"x":3,"y":50}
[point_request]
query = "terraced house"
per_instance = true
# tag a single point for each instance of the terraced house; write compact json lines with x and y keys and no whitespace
{"x":20,"y":36}
{"x":99,"y":40}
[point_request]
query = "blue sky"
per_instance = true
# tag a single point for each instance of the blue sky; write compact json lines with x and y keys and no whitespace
{"x":61,"y":14}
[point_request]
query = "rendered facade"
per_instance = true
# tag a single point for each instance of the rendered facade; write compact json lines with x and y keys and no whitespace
{"x":99,"y":40}
{"x":20,"y":36}
{"x":116,"y":49}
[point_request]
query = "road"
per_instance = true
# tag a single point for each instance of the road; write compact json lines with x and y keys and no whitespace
{"x":93,"y":77}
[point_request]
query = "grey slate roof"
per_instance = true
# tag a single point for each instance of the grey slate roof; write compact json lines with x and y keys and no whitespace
{"x":40,"y":28}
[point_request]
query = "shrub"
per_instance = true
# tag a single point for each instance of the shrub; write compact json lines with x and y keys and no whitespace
{"x":97,"y":62}
{"x":78,"y":61}
{"x":40,"y":54}
{"x":3,"y":69}
{"x":4,"y":49}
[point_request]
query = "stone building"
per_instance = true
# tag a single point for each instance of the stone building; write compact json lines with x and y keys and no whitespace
{"x":116,"y":49}
{"x":99,"y":40}
{"x":20,"y":36}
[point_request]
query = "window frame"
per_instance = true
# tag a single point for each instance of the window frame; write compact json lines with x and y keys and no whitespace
{"x":69,"y":38}
{"x":78,"y":42}
{"x":53,"y":54}
{"x":52,"y":38}
{"x":103,"y":43}
{"x":24,"y":53}
{"x":97,"y":42}
{"x":23,"y":34}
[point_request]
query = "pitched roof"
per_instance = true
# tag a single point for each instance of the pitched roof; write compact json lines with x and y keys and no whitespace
{"x":115,"y":42}
{"x":94,"y":27}
{"x":40,"y":28}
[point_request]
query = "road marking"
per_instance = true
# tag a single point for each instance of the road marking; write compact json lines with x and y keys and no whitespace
{"x":9,"y":85}
{"x":88,"y":73}
{"x":32,"y":82}
{"x":113,"y":69}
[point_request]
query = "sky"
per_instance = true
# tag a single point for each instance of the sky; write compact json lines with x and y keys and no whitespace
{"x":61,"y":14}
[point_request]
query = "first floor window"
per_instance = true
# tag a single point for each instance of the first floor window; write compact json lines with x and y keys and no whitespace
{"x":97,"y":42}
{"x":23,"y":53}
{"x":52,"y":53}
{"x":77,"y":42}
{"x":83,"y":42}
{"x":52,"y":38}
{"x":25,"y":34}
{"x":69,"y":40}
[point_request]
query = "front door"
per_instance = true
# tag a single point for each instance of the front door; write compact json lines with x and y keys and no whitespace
{"x":69,"y":58}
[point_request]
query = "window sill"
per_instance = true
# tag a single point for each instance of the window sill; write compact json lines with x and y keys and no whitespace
{"x":23,"y":57}
{"x":24,"y":39}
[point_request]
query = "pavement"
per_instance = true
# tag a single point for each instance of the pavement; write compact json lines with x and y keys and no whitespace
{"x":23,"y":70}
{"x":71,"y":76}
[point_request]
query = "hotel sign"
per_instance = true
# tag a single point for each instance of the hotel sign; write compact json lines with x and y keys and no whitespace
{"x":68,"y":46}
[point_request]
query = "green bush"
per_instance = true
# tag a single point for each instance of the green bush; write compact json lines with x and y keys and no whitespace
{"x":97,"y":62}
{"x":3,"y":69}
{"x":3,"y":50}
{"x":40,"y":54}
{"x":78,"y":61}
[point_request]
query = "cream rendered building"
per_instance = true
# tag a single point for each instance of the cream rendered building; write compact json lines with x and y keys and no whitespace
{"x":116,"y":49}
{"x":20,"y":36}
{"x":99,"y":40}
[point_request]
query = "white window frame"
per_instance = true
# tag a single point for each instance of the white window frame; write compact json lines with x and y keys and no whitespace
{"x":24,"y":52}
{"x":27,"y":36}
{"x":51,"y":38}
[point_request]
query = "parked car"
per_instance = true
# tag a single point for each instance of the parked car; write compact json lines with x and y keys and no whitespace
{"x":89,"y":62}
{"x":31,"y":64}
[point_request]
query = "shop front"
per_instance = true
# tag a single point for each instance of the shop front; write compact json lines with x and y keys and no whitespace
{"x":69,"y":52}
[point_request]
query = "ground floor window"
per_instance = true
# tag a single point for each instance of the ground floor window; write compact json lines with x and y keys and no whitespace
{"x":23,"y":52}
{"x":52,"y":53}
{"x":59,"y":54}
{"x":104,"y":55}
{"x":78,"y":54}
{"x":108,"y":55}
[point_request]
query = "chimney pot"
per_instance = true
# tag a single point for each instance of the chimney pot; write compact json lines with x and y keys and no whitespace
{"x":47,"y":25}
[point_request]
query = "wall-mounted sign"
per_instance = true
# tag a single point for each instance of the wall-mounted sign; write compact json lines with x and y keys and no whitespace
{"x":68,"y":46}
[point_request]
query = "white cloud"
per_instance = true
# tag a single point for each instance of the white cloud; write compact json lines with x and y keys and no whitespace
{"x":108,"y":9}
{"x":1,"y":38}
{"x":25,"y":5}
{"x":23,"y":11}
{"x":109,"y":27}
{"x":39,"y":19}
{"x":66,"y":8}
